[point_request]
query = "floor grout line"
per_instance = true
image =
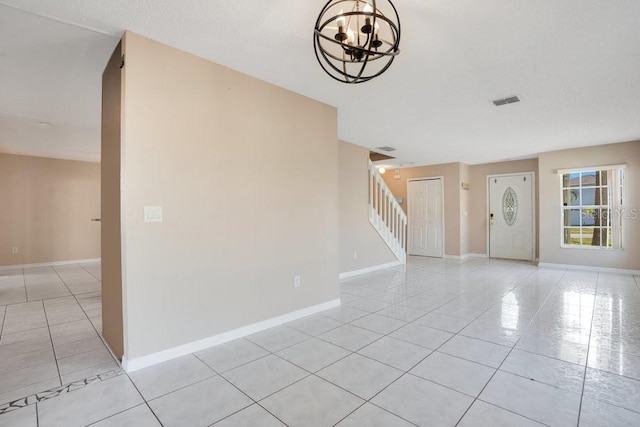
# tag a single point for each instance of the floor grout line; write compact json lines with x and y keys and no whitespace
{"x":53,"y":348}
{"x":471,"y":290}
{"x":4,"y":319}
{"x":143,"y":399}
{"x":586,"y":363}
{"x":48,"y":325}
{"x":512,"y":348}
{"x":220,"y":374}
{"x":104,"y":343}
{"x":433,"y":350}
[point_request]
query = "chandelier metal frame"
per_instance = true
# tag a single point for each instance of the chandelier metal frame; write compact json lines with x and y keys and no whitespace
{"x":356,"y":56}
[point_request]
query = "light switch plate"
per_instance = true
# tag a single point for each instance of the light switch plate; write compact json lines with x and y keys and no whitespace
{"x":153,"y":214}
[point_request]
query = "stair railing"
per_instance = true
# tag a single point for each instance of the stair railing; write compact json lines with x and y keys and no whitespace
{"x":386,"y":215}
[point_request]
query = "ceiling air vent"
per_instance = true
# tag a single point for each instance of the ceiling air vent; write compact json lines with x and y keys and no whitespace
{"x":386,"y":148}
{"x":505,"y":101}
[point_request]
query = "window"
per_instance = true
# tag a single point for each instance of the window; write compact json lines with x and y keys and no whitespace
{"x":592,"y":201}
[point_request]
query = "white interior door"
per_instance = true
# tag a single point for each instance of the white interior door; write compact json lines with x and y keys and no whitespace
{"x":511,"y":228}
{"x":426,"y":225}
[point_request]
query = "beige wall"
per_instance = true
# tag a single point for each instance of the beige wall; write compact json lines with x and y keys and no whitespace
{"x":550,"y":205}
{"x":247,"y":175}
{"x":112,"y":310}
{"x":46,"y":210}
{"x":360,"y":244}
{"x":451,"y":174}
{"x":477,"y":212}
{"x":465,"y":210}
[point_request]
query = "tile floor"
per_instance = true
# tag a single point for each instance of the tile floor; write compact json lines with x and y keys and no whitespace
{"x":434,"y":343}
{"x":50,"y":324}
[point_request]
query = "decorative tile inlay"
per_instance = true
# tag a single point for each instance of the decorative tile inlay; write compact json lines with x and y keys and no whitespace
{"x":57,"y":391}
{"x":510,"y":206}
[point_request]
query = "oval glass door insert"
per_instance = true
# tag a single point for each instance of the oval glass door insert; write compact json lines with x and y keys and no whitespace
{"x":510,"y":206}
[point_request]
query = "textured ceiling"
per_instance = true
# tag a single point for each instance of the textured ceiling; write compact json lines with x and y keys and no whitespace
{"x":574,"y":63}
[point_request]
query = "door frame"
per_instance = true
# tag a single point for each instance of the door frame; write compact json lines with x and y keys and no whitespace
{"x":533,"y":209}
{"x":429,"y":178}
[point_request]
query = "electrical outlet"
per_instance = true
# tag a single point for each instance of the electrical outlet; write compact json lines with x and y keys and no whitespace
{"x":14,"y":250}
{"x":355,"y":254}
{"x":296,"y":281}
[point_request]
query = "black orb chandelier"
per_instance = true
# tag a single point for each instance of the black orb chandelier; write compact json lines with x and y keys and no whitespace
{"x":355,"y":41}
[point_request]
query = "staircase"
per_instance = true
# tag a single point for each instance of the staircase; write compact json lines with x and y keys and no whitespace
{"x":386,"y":215}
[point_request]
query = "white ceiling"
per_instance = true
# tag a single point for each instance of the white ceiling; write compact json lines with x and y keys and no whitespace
{"x":50,"y":86}
{"x":574,"y":63}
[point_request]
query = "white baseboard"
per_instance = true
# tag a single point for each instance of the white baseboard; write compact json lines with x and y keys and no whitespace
{"x":354,"y":273}
{"x":472,"y":255}
{"x":466,"y":256}
{"x":589,"y":268}
{"x":478,"y":255}
{"x":49,"y":264}
{"x":134,"y":364}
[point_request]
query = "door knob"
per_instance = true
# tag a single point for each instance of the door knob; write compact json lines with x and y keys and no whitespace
{"x":96,"y":219}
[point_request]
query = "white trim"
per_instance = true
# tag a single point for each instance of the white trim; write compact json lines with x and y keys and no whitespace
{"x":134,"y":364}
{"x":589,"y":268}
{"x":534,"y":226}
{"x":353,"y":273}
{"x":465,"y":256}
{"x":386,"y":215}
{"x":613,"y":186}
{"x":590,"y":168}
{"x":49,"y":264}
{"x":470,"y":255}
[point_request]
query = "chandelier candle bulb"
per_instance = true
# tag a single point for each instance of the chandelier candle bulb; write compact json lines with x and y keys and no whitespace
{"x":360,"y":52}
{"x":341,"y":20}
{"x":351,"y":37}
{"x":366,"y":28}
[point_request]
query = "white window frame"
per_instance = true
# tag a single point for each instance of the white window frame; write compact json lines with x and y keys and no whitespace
{"x":613,"y":207}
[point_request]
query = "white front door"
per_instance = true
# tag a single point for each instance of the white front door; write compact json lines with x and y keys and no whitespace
{"x":425,"y":217}
{"x":511,"y":227}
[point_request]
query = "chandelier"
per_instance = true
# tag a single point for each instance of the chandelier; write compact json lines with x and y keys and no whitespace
{"x":355,"y":41}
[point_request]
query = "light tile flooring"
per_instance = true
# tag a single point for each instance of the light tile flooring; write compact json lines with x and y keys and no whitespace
{"x":50,"y":321}
{"x":434,"y":343}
